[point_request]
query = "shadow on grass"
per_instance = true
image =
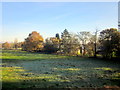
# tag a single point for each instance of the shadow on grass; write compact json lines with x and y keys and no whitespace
{"x":9,"y":60}
{"x":43,"y":83}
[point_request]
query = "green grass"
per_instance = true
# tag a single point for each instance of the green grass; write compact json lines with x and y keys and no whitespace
{"x":33,"y":70}
{"x":12,"y":55}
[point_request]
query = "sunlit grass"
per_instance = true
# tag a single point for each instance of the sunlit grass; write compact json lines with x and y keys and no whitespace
{"x":67,"y":69}
{"x":9,"y":74}
{"x":104,"y":68}
{"x":22,"y":55}
{"x":17,"y":74}
{"x":116,"y":76}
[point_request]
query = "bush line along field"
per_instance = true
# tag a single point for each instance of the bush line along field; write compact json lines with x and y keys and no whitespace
{"x":22,"y":69}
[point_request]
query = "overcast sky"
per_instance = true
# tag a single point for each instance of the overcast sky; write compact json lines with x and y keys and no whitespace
{"x":48,"y":18}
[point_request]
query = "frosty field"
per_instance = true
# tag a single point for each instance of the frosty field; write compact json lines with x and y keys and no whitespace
{"x":21,"y":69}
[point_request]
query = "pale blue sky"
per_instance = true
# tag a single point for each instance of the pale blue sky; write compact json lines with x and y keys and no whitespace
{"x":20,"y":19}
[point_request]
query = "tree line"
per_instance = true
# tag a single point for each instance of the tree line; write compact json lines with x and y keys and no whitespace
{"x":106,"y":44}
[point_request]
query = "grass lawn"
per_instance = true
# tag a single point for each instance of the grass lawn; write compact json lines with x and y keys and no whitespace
{"x":21,"y":69}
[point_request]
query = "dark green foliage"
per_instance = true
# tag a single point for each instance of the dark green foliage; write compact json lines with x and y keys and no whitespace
{"x":57,"y":36}
{"x":65,"y":41}
{"x":50,"y":48}
{"x":110,"y":43}
{"x":51,"y":45}
{"x":69,"y":43}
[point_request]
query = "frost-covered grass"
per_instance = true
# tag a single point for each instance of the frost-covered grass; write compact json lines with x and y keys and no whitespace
{"x":33,"y":70}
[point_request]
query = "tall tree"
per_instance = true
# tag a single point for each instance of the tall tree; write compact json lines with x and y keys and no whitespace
{"x":69,"y":43}
{"x":6,"y":45}
{"x":110,"y":42}
{"x":95,"y":43}
{"x":15,"y":43}
{"x":65,"y":36}
{"x":57,"y":36}
{"x":34,"y":42}
{"x":74,"y":45}
{"x":84,"y":38}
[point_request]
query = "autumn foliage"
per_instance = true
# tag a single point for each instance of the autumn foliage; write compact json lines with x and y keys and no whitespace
{"x":34,"y":42}
{"x":6,"y":45}
{"x":83,"y":44}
